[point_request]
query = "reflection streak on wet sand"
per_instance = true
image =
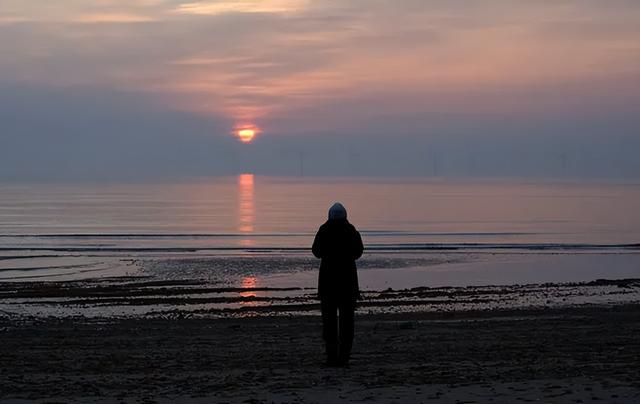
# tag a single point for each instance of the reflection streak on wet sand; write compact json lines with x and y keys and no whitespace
{"x":250,"y":283}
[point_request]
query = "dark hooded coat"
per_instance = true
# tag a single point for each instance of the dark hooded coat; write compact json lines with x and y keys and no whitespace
{"x":338,"y":244}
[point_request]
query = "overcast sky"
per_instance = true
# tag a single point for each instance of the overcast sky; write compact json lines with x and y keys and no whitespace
{"x":114,"y":89}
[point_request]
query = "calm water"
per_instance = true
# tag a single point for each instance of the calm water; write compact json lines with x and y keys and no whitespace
{"x":255,"y":232}
{"x":253,"y":211}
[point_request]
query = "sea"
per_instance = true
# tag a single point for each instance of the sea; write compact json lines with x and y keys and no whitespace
{"x":255,"y":232}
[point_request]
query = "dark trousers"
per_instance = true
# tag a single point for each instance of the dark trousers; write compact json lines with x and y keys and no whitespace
{"x":337,"y":330}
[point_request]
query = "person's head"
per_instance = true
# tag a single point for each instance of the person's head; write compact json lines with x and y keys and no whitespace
{"x":337,"y":212}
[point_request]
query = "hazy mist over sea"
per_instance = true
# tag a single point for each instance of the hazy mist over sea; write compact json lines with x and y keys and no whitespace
{"x":116,"y":136}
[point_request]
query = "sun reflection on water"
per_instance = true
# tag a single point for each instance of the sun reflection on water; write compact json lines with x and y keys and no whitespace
{"x":246,"y":208}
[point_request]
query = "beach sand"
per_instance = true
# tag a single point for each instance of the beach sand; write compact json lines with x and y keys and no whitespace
{"x":563,"y":354}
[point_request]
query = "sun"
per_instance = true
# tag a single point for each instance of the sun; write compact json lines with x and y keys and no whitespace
{"x":246,"y":133}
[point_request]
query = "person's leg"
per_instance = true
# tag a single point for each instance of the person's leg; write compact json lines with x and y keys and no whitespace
{"x":330,"y":330}
{"x":346,"y":332}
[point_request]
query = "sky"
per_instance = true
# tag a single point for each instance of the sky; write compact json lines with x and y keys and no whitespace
{"x":115,"y":89}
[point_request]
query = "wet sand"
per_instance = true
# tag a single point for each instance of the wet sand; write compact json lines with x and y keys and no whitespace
{"x":566,"y":354}
{"x":140,"y":296}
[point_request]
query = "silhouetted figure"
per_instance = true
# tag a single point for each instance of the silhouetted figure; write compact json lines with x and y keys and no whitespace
{"x":339,"y":245}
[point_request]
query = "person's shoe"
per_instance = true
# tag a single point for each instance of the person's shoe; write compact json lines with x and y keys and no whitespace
{"x":332,"y":362}
{"x":332,"y":355}
{"x":344,"y":353}
{"x":343,"y":363}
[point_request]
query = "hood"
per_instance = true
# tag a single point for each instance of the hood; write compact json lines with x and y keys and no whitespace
{"x":337,"y":211}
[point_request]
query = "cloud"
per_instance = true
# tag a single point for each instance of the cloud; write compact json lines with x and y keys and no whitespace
{"x":79,"y":11}
{"x":112,"y":18}
{"x":241,"y":6}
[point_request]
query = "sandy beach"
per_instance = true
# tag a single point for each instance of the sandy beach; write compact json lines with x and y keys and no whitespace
{"x":579,"y":354}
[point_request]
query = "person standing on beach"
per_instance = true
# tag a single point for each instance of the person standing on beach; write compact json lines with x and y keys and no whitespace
{"x":338,"y":244}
